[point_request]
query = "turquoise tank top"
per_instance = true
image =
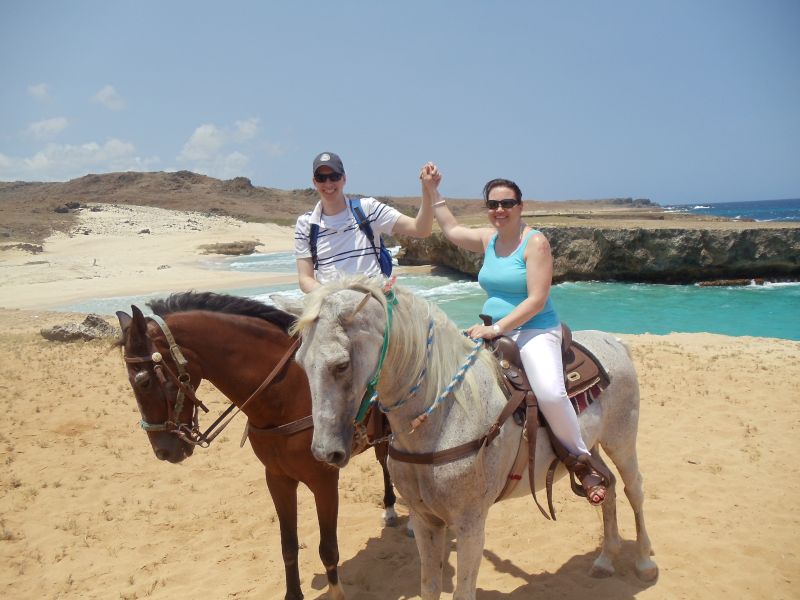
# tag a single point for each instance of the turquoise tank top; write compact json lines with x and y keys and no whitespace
{"x":503,"y":280}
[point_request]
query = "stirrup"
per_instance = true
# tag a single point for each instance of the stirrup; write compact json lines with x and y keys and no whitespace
{"x":592,"y":475}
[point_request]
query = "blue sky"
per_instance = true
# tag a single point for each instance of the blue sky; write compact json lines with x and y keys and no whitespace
{"x":676,"y":101}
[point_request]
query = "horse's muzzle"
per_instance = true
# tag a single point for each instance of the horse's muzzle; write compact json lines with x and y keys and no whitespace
{"x":338,"y":457}
{"x":169,"y":447}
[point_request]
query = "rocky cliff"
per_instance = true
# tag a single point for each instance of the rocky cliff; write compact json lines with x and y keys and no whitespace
{"x":662,"y":255}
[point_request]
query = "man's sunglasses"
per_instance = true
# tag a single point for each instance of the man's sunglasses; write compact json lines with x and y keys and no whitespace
{"x":323,"y":177}
{"x":506,"y":203}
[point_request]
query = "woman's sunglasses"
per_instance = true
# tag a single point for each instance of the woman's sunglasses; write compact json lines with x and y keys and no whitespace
{"x":505,"y":203}
{"x":323,"y":177}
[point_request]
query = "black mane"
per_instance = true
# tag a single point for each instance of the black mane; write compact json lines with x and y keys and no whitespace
{"x":223,"y":303}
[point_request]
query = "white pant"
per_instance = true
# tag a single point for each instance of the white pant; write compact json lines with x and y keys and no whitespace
{"x":540,"y":350}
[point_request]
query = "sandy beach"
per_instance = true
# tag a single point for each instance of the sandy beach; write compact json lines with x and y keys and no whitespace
{"x":87,"y":511}
{"x":107,"y":254}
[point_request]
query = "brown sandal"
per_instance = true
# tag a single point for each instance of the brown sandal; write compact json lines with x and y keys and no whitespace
{"x":594,"y":483}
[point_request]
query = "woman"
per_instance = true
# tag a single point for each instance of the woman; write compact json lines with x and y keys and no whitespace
{"x":516,"y":274}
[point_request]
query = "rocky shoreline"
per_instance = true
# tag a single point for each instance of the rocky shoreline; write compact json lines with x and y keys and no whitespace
{"x":638,"y":254}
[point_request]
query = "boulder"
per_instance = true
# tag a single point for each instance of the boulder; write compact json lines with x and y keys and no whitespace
{"x":93,"y":327}
{"x":243,"y":247}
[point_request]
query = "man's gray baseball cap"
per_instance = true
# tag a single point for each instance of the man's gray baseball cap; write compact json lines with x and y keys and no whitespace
{"x":329,"y":159}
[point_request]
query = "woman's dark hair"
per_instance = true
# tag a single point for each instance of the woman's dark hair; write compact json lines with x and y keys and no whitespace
{"x":502,"y":183}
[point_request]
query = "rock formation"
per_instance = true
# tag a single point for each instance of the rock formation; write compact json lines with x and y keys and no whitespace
{"x":94,"y":327}
{"x":664,"y":255}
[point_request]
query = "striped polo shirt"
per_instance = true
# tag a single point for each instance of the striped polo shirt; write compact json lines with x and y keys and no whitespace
{"x":342,"y":248}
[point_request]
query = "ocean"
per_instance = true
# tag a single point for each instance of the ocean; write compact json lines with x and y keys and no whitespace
{"x":762,"y":210}
{"x":769,"y":310}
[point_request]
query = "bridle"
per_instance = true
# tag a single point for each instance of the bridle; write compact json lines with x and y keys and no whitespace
{"x":190,"y":432}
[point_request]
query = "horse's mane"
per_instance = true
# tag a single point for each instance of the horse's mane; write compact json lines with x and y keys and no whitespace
{"x":409,"y":333}
{"x":223,"y":303}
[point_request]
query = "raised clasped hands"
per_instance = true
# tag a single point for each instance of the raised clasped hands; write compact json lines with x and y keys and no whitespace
{"x":430,"y":175}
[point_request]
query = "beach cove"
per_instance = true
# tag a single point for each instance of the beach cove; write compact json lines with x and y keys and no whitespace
{"x":88,"y":512}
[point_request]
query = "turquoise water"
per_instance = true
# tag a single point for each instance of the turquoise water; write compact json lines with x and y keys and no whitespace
{"x":760,"y":210}
{"x":766,"y":311}
{"x":770,"y":310}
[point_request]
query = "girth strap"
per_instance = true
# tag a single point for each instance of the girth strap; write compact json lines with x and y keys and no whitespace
{"x":285,"y":429}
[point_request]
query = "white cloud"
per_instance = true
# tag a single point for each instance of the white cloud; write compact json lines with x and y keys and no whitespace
{"x":59,"y":162}
{"x":40,"y":91}
{"x":48,"y":128}
{"x":204,"y":144}
{"x":108,"y":97}
{"x":246,"y":130}
{"x":218,"y":151}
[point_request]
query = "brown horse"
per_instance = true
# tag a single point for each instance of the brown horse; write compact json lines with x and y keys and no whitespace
{"x":235,"y":343}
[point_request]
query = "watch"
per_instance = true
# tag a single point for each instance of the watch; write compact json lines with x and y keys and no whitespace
{"x":496,"y":329}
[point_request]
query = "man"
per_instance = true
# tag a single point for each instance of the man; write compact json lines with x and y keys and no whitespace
{"x":341,"y":246}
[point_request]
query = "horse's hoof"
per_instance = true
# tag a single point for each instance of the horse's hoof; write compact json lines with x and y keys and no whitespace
{"x":389,"y":521}
{"x":647,"y":570}
{"x":335,"y":592}
{"x":409,"y":532}
{"x":389,"y":518}
{"x":601,"y":568}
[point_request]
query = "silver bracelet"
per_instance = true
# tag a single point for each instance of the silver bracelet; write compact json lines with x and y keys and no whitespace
{"x":439,"y":203}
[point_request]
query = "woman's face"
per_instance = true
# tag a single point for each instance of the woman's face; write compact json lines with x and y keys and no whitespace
{"x":504,"y":216}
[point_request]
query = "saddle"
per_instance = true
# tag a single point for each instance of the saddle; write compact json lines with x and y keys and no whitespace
{"x":584,"y":376}
{"x":584,"y":379}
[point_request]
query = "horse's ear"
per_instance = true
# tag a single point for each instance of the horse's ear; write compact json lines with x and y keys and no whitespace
{"x":361,"y":305}
{"x":138,"y":321}
{"x":293,"y":306}
{"x":124,"y":321}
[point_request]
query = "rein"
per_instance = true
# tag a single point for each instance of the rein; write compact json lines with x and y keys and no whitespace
{"x":371,"y":393}
{"x":190,"y":432}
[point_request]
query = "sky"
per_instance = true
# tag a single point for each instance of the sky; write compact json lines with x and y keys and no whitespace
{"x":679,"y":101}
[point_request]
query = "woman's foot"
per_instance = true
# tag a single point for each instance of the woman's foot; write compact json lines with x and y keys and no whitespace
{"x":594,"y":484}
{"x":594,"y":487}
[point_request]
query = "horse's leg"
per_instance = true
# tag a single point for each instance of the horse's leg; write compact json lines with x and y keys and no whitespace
{"x":603,"y":565}
{"x":326,"y":497}
{"x":469,"y":542}
{"x":389,"y":499}
{"x":429,"y":533}
{"x":284,"y":495}
{"x":627,"y":464}
{"x":646,"y":568}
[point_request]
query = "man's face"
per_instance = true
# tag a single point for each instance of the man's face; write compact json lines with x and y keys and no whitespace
{"x":328,"y":189}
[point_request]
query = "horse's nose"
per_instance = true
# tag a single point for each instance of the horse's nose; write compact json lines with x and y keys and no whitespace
{"x":337,"y":458}
{"x":334,"y":457}
{"x":162,"y":454}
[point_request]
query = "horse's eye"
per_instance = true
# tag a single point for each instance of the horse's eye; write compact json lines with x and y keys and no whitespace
{"x":142,"y":379}
{"x":340,"y":368}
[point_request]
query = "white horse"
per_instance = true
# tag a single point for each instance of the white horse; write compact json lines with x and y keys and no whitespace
{"x":343,"y":327}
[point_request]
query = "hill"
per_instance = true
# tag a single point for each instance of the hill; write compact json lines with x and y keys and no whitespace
{"x":30,"y":211}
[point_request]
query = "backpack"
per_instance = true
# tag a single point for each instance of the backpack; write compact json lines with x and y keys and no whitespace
{"x":383,"y":256}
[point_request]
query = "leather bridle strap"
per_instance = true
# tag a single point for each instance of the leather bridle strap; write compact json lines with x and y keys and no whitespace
{"x":207,"y":436}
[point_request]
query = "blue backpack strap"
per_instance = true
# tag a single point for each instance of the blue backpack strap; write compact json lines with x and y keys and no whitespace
{"x":313,"y":233}
{"x":361,"y":219}
{"x":383,"y":256}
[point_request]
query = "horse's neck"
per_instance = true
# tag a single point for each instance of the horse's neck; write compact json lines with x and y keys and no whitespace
{"x":236,"y":355}
{"x":406,"y":359}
